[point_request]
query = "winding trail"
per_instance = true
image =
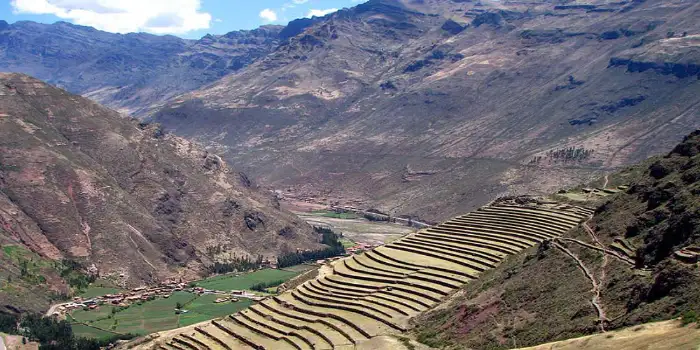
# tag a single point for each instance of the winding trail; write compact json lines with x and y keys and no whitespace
{"x":613,"y":253}
{"x":607,"y":180}
{"x":595,"y":301}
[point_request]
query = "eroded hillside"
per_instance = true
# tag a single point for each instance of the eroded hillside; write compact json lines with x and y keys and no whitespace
{"x":434,"y":107}
{"x":634,"y":262}
{"x":129,"y":202}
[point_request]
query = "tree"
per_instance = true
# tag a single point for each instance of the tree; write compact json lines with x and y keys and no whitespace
{"x":178,"y":305}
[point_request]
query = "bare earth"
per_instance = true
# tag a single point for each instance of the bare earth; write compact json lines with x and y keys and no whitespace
{"x":658,"y":336}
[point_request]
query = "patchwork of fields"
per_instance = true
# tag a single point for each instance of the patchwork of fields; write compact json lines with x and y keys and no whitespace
{"x":378,"y":292}
{"x":159,"y":315}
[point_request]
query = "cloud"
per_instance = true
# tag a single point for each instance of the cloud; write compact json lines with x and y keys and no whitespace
{"x":123,"y":16}
{"x":268,"y":15}
{"x":300,"y":1}
{"x":320,"y":13}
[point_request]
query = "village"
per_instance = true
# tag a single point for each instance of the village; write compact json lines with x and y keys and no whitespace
{"x":139,"y":294}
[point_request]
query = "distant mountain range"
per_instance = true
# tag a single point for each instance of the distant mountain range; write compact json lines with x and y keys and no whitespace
{"x":132,"y":73}
{"x":425,"y":108}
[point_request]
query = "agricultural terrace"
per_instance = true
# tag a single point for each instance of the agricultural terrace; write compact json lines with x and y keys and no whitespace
{"x":377,"y":292}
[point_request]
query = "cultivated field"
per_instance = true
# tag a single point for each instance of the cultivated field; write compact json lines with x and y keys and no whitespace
{"x":376,"y":293}
{"x":357,"y":230}
{"x":247,"y":280}
{"x":152,"y":316}
{"x":159,"y":314}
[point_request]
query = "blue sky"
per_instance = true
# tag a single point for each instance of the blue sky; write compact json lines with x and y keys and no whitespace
{"x":185,"y":18}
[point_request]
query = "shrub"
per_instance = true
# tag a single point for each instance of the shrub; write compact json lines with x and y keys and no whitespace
{"x":689,"y":317}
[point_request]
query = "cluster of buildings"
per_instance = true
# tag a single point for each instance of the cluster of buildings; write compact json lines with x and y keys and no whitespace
{"x":360,"y":247}
{"x":145,"y":293}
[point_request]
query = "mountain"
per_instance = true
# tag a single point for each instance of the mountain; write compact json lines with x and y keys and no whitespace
{"x":431,"y":108}
{"x":651,"y":235}
{"x":132,"y":73}
{"x":81,"y":183}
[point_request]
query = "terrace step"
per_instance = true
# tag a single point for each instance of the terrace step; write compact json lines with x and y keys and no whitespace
{"x":497,"y":250}
{"x":537,"y":213}
{"x":378,"y":259}
{"x":335,"y":308}
{"x":352,"y":265}
{"x":498,"y":236}
{"x":491,"y":217}
{"x":446,"y":267}
{"x":509,"y":227}
{"x":349,"y":304}
{"x":425,"y":288}
{"x":245,"y":335}
{"x":173,"y":345}
{"x":467,"y":265}
{"x":356,"y":264}
{"x":502,"y":230}
{"x":462,"y":248}
{"x":290,"y":335}
{"x":292,"y":309}
{"x":362,"y":299}
{"x":364,"y":260}
{"x":415,"y":301}
{"x":196,"y":342}
{"x":206,"y":339}
{"x":555,"y":211}
{"x":478,"y":263}
{"x":220,"y":337}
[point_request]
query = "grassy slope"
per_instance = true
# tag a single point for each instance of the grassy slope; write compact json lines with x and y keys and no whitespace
{"x":540,"y":296}
{"x":665,"y":335}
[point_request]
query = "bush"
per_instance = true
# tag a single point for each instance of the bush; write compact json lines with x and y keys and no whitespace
{"x":262,"y":286}
{"x":689,"y":317}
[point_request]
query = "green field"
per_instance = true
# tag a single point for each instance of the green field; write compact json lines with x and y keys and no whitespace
{"x":83,"y":331}
{"x":347,"y":243}
{"x":332,"y":214}
{"x":245,"y":281}
{"x":153,"y":316}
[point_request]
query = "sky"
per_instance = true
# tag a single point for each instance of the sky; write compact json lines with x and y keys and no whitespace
{"x":185,"y":18}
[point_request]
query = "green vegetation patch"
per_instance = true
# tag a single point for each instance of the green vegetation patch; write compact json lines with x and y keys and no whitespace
{"x":94,"y":291}
{"x":335,"y":215}
{"x":83,"y":331}
{"x":245,"y":281}
{"x":153,"y":316}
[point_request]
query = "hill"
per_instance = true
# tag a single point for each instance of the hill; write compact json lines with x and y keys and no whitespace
{"x":432,"y":108}
{"x":132,"y":73}
{"x":635,"y":261}
{"x":82,"y":188}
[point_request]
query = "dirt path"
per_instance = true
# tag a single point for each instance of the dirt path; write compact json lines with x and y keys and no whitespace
{"x":595,"y":301}
{"x":613,"y":253}
{"x":607,"y":180}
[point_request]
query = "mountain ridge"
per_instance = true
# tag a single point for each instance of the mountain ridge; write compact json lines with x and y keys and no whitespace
{"x":124,"y":199}
{"x":373,"y":91}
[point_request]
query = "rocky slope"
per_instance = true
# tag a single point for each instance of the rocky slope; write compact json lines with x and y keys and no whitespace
{"x":544,"y":296}
{"x":434,"y":107}
{"x":127,"y":201}
{"x":134,"y":72}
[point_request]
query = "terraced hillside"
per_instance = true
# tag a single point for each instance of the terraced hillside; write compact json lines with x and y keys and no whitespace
{"x":378,"y":292}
